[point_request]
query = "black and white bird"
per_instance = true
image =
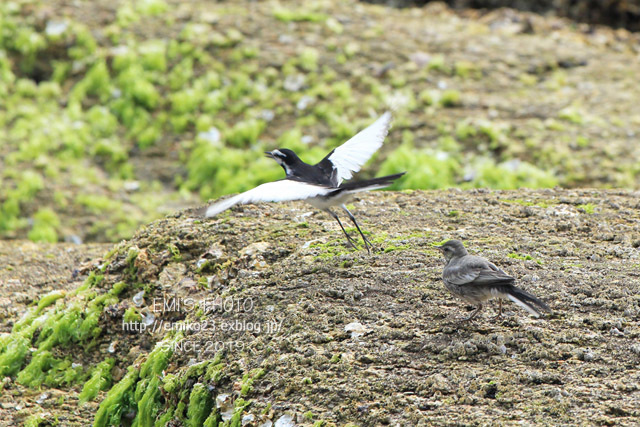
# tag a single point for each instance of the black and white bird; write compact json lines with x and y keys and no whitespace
{"x":321,"y":185}
{"x":476,"y":280}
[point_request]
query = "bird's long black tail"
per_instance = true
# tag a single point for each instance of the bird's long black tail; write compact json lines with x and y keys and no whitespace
{"x":524,"y":299}
{"x":370,"y":184}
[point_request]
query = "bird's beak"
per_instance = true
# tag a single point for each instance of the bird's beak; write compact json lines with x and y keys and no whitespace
{"x":269,"y":154}
{"x":438,"y":247}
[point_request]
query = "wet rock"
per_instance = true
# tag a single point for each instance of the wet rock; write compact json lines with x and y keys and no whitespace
{"x":285,"y":421}
{"x":42,"y":398}
{"x":172,"y":275}
{"x":356,"y":329}
{"x":438,"y":382}
{"x":294,"y":82}
{"x":138,"y":299}
{"x":224,"y":404}
{"x":146,"y":270}
{"x":254,"y":249}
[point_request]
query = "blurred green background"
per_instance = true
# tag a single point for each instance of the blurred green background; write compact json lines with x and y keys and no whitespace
{"x":116,"y":113}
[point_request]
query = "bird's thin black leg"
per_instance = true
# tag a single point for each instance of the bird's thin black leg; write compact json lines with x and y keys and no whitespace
{"x":349,"y":238}
{"x":367,"y":243}
{"x":474,"y":314}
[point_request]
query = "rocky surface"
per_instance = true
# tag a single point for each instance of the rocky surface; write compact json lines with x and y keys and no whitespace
{"x":29,"y":270}
{"x":280,"y":319}
{"x":623,"y":14}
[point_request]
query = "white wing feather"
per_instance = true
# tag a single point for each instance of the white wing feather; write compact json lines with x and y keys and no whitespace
{"x":276,"y":191}
{"x":350,"y":156}
{"x":524,"y":305}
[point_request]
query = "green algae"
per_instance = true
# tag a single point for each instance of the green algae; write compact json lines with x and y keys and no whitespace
{"x":395,"y":248}
{"x":77,"y":323}
{"x":331,"y":249}
{"x":176,"y":256}
{"x":298,"y":15}
{"x":239,"y":406}
{"x":35,"y":420}
{"x":66,"y":323}
{"x":13,"y":351}
{"x":572,"y":115}
{"x":48,"y":299}
{"x":429,"y":169}
{"x":29,"y":184}
{"x":200,"y":405}
{"x":118,"y":400}
{"x":438,"y":169}
{"x":539,"y":203}
{"x":131,"y":315}
{"x":244,"y":133}
{"x":15,"y":346}
{"x":525,"y":257}
{"x":195,"y":404}
{"x":213,"y":420}
{"x":139,"y":388}
{"x":248,"y":379}
{"x":147,"y":395}
{"x":588,"y":208}
{"x":164,"y":418}
{"x":100,"y":379}
{"x":45,"y":226}
{"x":44,"y":368}
{"x":450,"y":98}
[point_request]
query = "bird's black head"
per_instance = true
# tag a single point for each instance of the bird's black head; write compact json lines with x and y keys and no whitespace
{"x":285,"y":158}
{"x":453,"y":248}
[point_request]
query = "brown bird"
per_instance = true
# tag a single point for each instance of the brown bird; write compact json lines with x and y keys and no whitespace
{"x":476,"y":280}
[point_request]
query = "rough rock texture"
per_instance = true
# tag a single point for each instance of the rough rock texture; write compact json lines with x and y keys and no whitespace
{"x":29,"y":270}
{"x":342,"y":336}
{"x":625,"y":14}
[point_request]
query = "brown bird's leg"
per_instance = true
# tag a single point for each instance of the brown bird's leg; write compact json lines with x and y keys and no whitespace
{"x":499,"y":309}
{"x":474,"y":314}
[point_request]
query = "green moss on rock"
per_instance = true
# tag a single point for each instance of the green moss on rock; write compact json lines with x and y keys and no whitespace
{"x":100,"y":379}
{"x":200,"y":405}
{"x":118,"y":400}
